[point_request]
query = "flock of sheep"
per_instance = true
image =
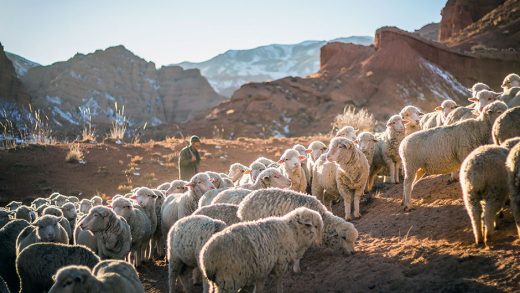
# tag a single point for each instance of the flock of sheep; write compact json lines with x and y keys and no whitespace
{"x":234,"y":231}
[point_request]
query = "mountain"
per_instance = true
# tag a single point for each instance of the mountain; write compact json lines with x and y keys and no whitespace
{"x":94,"y":82}
{"x":228,"y":71}
{"x":21,"y":65}
{"x":429,"y":31}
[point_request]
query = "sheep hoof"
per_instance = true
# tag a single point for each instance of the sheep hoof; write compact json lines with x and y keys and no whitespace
{"x":357,"y":216}
{"x":451,"y":181}
{"x":408,"y":209}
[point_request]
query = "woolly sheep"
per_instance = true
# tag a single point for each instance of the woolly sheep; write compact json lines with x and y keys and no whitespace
{"x":215,"y":179}
{"x":140,"y":227}
{"x":513,"y":170}
{"x":265,"y":161}
{"x":185,"y":241}
{"x":55,"y":211}
{"x":177,"y":186}
{"x":112,"y":233}
{"x":484,"y":189}
{"x":24,"y":212}
{"x":107,"y":276}
{"x":45,"y":229}
{"x":40,"y":210}
{"x":511,"y":97}
{"x":73,"y":199}
{"x":439,"y":116}
{"x":158,"y":239}
{"x":38,"y":202}
{"x":441,"y":150}
{"x":8,"y":235}
{"x":53,"y":196}
{"x":254,"y":170}
{"x":236,"y":172}
{"x":85,"y":237}
{"x":220,"y":211}
{"x":481,"y":99}
{"x":146,"y":198}
{"x":511,"y":80}
{"x":477,"y":87}
{"x":84,"y":206}
{"x":507,"y":125}
{"x":39,"y":262}
{"x":208,"y":196}
{"x":510,"y":143}
{"x":96,"y":201}
{"x":165,"y":186}
{"x":338,"y":233}
{"x":411,"y":117}
{"x":270,"y":177}
{"x":245,"y":254}
{"x":348,"y":132}
{"x":69,"y":212}
{"x":60,"y":200}
{"x":12,"y":206}
{"x":315,"y":150}
{"x":231,"y":196}
{"x":291,"y":162}
{"x":5,"y":217}
{"x":366,"y":143}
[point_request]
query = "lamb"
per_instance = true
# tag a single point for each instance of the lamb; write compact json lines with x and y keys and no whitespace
{"x":245,"y":254}
{"x":231,"y":196}
{"x":304,"y":152}
{"x":8,"y":235}
{"x":348,"y":132}
{"x":146,"y":198}
{"x":38,"y":202}
{"x":507,"y":126}
{"x":270,"y":177}
{"x":291,"y":162}
{"x":177,"y":186}
{"x":441,"y":150}
{"x":177,"y":207}
{"x":55,"y":211}
{"x":185,"y":241}
{"x":411,"y":117}
{"x":236,"y":172}
{"x":112,"y":233}
{"x":511,"y":80}
{"x":208,"y":196}
{"x":366,"y":143}
{"x":69,"y":212}
{"x":386,"y":151}
{"x":39,"y":262}
{"x":225,"y":212}
{"x":513,"y":170}
{"x":5,"y":217}
{"x":484,"y":189}
{"x":107,"y":276}
{"x":439,"y":116}
{"x":140,"y":227}
{"x":84,"y":206}
{"x":348,"y":177}
{"x":481,"y":99}
{"x":24,"y":212}
{"x":96,"y":201}
{"x":265,"y":161}
{"x":254,"y":170}
{"x":45,"y":229}
{"x":12,"y":206}
{"x":338,"y":233}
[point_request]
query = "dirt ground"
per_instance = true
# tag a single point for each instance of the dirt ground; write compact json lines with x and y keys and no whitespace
{"x":427,"y":250}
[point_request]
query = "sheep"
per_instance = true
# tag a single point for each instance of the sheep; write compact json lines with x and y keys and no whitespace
{"x":220,"y":211}
{"x":265,"y":161}
{"x":481,"y":99}
{"x":231,"y":196}
{"x":438,"y":117}
{"x":511,"y":97}
{"x":348,"y":177}
{"x":165,"y":186}
{"x":45,"y":229}
{"x":411,"y":117}
{"x":73,"y":199}
{"x":484,"y":189}
{"x":177,"y":207}
{"x":24,"y":212}
{"x":510,"y":143}
{"x":112,"y":233}
{"x":254,"y":170}
{"x":513,"y":170}
{"x":158,"y":242}
{"x":348,"y":132}
{"x":85,"y":237}
{"x":84,"y":206}
{"x":140,"y":227}
{"x":338,"y":233}
{"x":236,"y":172}
{"x":291,"y":162}
{"x":441,"y":150}
{"x":245,"y":254}
{"x":270,"y":177}
{"x":96,"y":201}
{"x":8,"y":235}
{"x":69,"y":212}
{"x":477,"y":87}
{"x":53,"y":196}
{"x":507,"y":125}
{"x":146,"y":198}
{"x":5,"y":217}
{"x":39,"y":262}
{"x":208,"y":196}
{"x":511,"y":80}
{"x":215,"y":179}
{"x":12,"y":206}
{"x":39,"y":211}
{"x":185,"y":241}
{"x":60,"y":200}
{"x":107,"y":276}
{"x":366,"y":143}
{"x":38,"y":202}
{"x":177,"y":186}
{"x":55,"y":211}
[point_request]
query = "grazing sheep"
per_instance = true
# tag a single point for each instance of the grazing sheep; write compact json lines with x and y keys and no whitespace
{"x":45,"y":229}
{"x":55,"y":211}
{"x":177,"y":207}
{"x":39,"y":262}
{"x":177,"y":186}
{"x":69,"y":212}
{"x":245,"y":254}
{"x":411,"y":117}
{"x":291,"y":162}
{"x":270,"y":177}
{"x":24,"y":212}
{"x":439,"y":116}
{"x":236,"y":172}
{"x":185,"y":241}
{"x":38,"y":202}
{"x":441,"y":150}
{"x":338,"y":233}
{"x":513,"y":170}
{"x":507,"y":125}
{"x":140,"y":227}
{"x":208,"y":196}
{"x":8,"y":235}
{"x":484,"y":189}
{"x":231,"y":196}
{"x":348,"y":132}
{"x":112,"y":233}
{"x":84,"y":206}
{"x":349,"y":176}
{"x":511,"y":80}
{"x":107,"y":276}
{"x":366,"y":143}
{"x":96,"y":201}
{"x":220,"y":211}
{"x":12,"y":206}
{"x":5,"y":217}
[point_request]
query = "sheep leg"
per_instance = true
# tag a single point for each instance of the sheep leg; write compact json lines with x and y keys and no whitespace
{"x":173,"y":274}
{"x":357,"y":197}
{"x":408,"y":187}
{"x":475,"y":213}
{"x":490,"y":211}
{"x":396,"y":173}
{"x":391,"y":167}
{"x":296,"y":266}
{"x":371,"y":180}
{"x":185,"y":276}
{"x":347,"y":200}
{"x":259,"y":286}
{"x":515,"y":209}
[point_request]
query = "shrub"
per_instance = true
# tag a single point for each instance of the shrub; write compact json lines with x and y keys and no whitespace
{"x":361,"y":120}
{"x":75,"y":154}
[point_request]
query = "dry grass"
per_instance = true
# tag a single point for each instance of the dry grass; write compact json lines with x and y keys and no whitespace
{"x":136,"y":160}
{"x":75,"y":154}
{"x":41,"y":130}
{"x":359,"y":119}
{"x":118,"y":130}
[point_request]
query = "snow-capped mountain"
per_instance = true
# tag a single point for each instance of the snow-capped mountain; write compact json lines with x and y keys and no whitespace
{"x":228,"y":71}
{"x":21,"y":65}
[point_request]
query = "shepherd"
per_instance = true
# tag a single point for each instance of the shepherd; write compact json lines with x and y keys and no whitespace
{"x":189,"y":159}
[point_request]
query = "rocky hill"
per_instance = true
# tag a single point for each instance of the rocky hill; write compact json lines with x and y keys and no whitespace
{"x":98,"y":80}
{"x":429,"y":31}
{"x":228,"y":71}
{"x":12,"y":92}
{"x":21,"y":65}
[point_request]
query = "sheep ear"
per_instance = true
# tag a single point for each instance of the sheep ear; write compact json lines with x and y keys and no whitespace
{"x":438,"y":108}
{"x":281,"y":160}
{"x":404,"y":122}
{"x":301,"y":157}
{"x":473,"y":100}
{"x":355,"y":141}
{"x":308,"y":151}
{"x":420,"y":113}
{"x":133,"y":196}
{"x":248,"y":171}
{"x":375,"y":140}
{"x":109,"y":206}
{"x":212,"y":180}
{"x":189,"y":184}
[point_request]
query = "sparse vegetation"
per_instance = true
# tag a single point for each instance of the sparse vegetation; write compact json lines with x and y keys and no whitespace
{"x":41,"y":130}
{"x":88,"y":132}
{"x":119,"y":125}
{"x":8,"y":135}
{"x":361,"y":120}
{"x":75,"y":154}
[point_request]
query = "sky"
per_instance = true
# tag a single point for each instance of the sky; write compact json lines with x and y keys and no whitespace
{"x":172,"y":31}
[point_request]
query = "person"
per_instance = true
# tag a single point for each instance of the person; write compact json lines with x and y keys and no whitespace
{"x":189,"y":159}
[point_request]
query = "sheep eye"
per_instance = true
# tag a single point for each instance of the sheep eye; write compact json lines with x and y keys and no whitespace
{"x":242,"y":171}
{"x":344,"y":237}
{"x":276,"y":176}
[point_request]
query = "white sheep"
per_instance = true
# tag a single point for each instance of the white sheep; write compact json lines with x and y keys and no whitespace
{"x":231,"y":196}
{"x":511,"y":80}
{"x":185,"y":241}
{"x":438,"y":117}
{"x":112,"y":233}
{"x":60,"y":200}
{"x":236,"y":172}
{"x":265,"y":161}
{"x":225,"y":212}
{"x":84,"y":237}
{"x":96,"y":200}
{"x":45,"y":229}
{"x":270,"y":177}
{"x":441,"y":150}
{"x":164,"y":186}
{"x":245,"y":254}
{"x":146,"y":198}
{"x":314,"y":151}
{"x":8,"y":235}
{"x":481,"y":99}
{"x":513,"y":170}
{"x":69,"y":213}
{"x":208,"y":196}
{"x":38,"y":202}
{"x":477,"y":87}
{"x":24,"y":212}
{"x":348,"y":132}
{"x":254,"y":170}
{"x":106,"y":276}
{"x":366,"y":143}
{"x":291,"y":162}
{"x":84,"y":206}
{"x":177,"y":186}
{"x":411,"y":117}
{"x":507,"y":126}
{"x":56,"y":211}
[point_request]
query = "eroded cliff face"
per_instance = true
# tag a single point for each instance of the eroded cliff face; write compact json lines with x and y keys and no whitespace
{"x":11,"y":89}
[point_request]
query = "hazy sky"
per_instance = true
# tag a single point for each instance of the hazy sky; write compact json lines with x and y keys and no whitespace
{"x":172,"y":31}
